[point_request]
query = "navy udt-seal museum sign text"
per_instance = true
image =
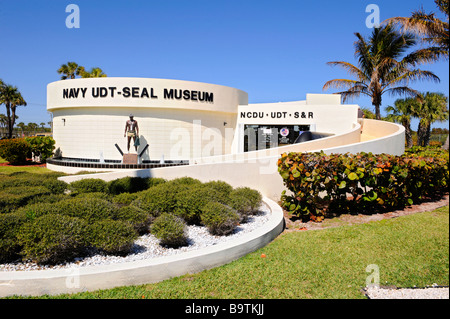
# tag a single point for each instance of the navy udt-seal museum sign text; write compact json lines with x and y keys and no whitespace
{"x":138,"y":92}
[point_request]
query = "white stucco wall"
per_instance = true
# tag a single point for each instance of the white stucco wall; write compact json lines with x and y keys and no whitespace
{"x":85,"y":126}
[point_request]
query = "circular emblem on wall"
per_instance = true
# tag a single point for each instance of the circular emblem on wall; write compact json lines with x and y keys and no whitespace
{"x":284,"y":132}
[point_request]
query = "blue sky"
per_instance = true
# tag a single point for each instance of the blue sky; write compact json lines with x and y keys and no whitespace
{"x":273,"y":50}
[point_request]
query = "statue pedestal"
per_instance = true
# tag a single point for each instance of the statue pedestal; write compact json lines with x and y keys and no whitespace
{"x":130,"y":158}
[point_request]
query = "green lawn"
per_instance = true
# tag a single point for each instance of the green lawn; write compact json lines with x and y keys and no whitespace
{"x":409,"y":251}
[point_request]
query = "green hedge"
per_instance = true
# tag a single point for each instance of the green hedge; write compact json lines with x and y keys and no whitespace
{"x":41,"y":145}
{"x":40,"y":222}
{"x":53,"y":238}
{"x":89,"y":209}
{"x":89,"y":185}
{"x":132,"y":184}
{"x":15,"y":197}
{"x":344,"y":183}
{"x":189,"y":202}
{"x":15,"y":151}
{"x":111,"y":236}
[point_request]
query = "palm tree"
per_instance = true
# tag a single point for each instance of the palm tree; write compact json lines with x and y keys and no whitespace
{"x":11,"y":97}
{"x":381,"y":68}
{"x":401,"y":113}
{"x":21,"y":125}
{"x":433,"y":108}
{"x":429,"y":28}
{"x":93,"y":73}
{"x":70,"y":70}
{"x":3,"y":123}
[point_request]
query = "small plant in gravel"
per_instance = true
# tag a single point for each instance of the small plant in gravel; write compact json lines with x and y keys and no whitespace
{"x":219,"y":218}
{"x":191,"y":201}
{"x":136,"y":217}
{"x":52,"y":238}
{"x":112,"y":237}
{"x":245,"y":201}
{"x":170,"y":230}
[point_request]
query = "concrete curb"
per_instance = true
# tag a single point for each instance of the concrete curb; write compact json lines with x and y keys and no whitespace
{"x":73,"y":280}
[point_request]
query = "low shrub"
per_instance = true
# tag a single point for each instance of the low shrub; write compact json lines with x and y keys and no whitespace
{"x":15,"y":197}
{"x":184,"y":181}
{"x":90,"y":185}
{"x":97,"y":195}
{"x":219,"y":218}
{"x":52,"y":238}
{"x":189,"y":202}
{"x":245,"y":201}
{"x":15,"y":150}
{"x":55,"y":186}
{"x":170,"y":230}
{"x":223,"y":190}
{"x":48,"y":198}
{"x":131,"y":184}
{"x":344,"y":183}
{"x":136,"y":217}
{"x":159,"y":199}
{"x":124,"y":199}
{"x":42,"y":146}
{"x":36,"y":210}
{"x":9,"y":229}
{"x":111,"y":236}
{"x":32,"y":179}
{"x":89,"y":209}
{"x":153,"y":181}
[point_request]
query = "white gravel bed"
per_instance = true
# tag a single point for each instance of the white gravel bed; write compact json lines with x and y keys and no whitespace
{"x":431,"y":292}
{"x":147,"y":246}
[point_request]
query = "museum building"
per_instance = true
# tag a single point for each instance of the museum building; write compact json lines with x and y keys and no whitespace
{"x":180,"y":121}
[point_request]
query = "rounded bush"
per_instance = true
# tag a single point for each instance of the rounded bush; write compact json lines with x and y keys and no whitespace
{"x":219,"y":218}
{"x":9,"y":229}
{"x":128,"y":185}
{"x":245,"y":201}
{"x":36,"y":210}
{"x":50,"y":199}
{"x":124,"y":199}
{"x":53,"y":238}
{"x":55,"y":186}
{"x":89,"y":209}
{"x":111,"y":236}
{"x":184,"y":181}
{"x":190,"y":202}
{"x":15,"y":197}
{"x":223,"y":190}
{"x":170,"y":230}
{"x":14,"y":150}
{"x":97,"y":195}
{"x":159,"y":199}
{"x":90,"y":185}
{"x":153,"y":181}
{"x":136,"y":217}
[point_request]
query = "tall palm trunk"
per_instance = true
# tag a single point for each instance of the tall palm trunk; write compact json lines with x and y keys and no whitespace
{"x":408,"y":134}
{"x":9,"y":120}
